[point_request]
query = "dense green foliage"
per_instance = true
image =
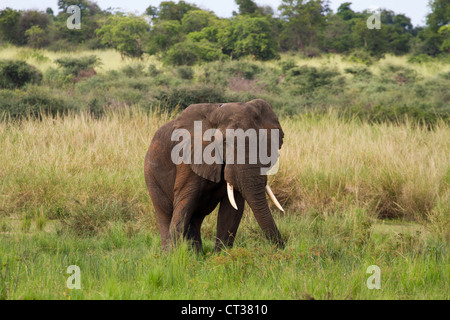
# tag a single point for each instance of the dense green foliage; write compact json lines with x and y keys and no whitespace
{"x":16,"y":73}
{"x":182,"y":29}
{"x":206,"y":58}
{"x":383,"y":91}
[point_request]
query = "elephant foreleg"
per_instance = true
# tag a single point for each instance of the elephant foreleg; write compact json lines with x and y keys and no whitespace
{"x":228,"y":221}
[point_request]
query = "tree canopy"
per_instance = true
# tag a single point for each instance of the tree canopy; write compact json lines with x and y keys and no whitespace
{"x":177,"y":28}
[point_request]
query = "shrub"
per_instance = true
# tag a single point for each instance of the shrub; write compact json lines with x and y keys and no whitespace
{"x":153,"y":70}
{"x":359,"y":72}
{"x":56,"y":77}
{"x":72,"y":66}
{"x":398,"y":74}
{"x":190,"y":53}
{"x":287,"y":65}
{"x":422,"y":114}
{"x":34,"y":102}
{"x":220,"y":73}
{"x":361,"y":56}
{"x":185,"y":72}
{"x":311,"y":52}
{"x":16,"y":74}
{"x":305,"y":79}
{"x":133,"y":70}
{"x":181,"y":54}
{"x":248,"y":70}
{"x":419,"y":58}
{"x":186,"y":95}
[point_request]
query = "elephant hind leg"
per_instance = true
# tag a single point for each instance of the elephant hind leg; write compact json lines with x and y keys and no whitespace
{"x":193,"y":233}
{"x":164,"y":208}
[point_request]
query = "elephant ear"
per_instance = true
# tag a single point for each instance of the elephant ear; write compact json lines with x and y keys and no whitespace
{"x":187,"y":119}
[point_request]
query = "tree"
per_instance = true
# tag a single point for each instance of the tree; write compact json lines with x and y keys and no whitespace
{"x":247,"y":7}
{"x":189,"y":52}
{"x":31,"y":18}
{"x":9,"y":22}
{"x":345,"y":12}
{"x":125,"y":34}
{"x":87,"y":7}
{"x":247,"y":35}
{"x":196,"y":20}
{"x":305,"y":19}
{"x":35,"y":37}
{"x":91,"y":18}
{"x":444,"y":31}
{"x":338,"y":34}
{"x":169,"y":10}
{"x":49,"y":12}
{"x":433,"y":41}
{"x":440,"y":14}
{"x":373,"y":41}
{"x":163,"y":35}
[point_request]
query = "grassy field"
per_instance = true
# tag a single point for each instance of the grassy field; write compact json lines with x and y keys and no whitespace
{"x":72,"y":192}
{"x":111,"y":60}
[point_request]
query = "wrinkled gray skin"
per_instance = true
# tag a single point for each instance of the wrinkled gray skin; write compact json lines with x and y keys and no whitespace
{"x":184,"y":194}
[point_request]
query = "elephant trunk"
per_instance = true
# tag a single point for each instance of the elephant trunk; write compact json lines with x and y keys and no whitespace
{"x":252,"y":185}
{"x":257,"y":201}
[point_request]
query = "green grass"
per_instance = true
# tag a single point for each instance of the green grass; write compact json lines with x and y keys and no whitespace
{"x":326,"y":258}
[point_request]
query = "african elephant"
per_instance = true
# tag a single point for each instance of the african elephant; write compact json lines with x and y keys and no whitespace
{"x":183,"y":193}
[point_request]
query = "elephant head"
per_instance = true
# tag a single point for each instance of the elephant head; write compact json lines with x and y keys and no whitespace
{"x":232,"y":133}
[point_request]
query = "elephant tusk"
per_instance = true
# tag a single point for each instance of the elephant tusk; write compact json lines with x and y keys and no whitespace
{"x":231,"y":195}
{"x":274,"y":199}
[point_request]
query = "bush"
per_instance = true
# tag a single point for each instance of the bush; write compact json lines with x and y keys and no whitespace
{"x":287,"y":65}
{"x":153,"y":70}
{"x":73,"y":66}
{"x":16,"y":74}
{"x":361,"y":56}
{"x":34,"y":102}
{"x":306,"y":79}
{"x":186,"y":95}
{"x":219,"y":73}
{"x":56,"y":77}
{"x":359,"y":72}
{"x":189,"y":53}
{"x":185,"y":73}
{"x":248,"y":70}
{"x":133,"y":70}
{"x":422,"y":114}
{"x":419,"y":58}
{"x":398,"y":74}
{"x":311,"y":52}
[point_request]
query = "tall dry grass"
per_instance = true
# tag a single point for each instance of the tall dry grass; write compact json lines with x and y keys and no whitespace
{"x":77,"y":167}
{"x":392,"y":170}
{"x":90,"y":170}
